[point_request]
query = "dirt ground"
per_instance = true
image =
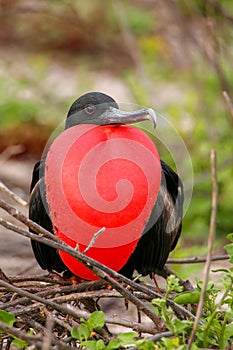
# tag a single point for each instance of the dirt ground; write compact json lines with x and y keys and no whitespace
{"x":16,"y":257}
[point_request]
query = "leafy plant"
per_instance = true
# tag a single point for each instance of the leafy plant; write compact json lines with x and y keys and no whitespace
{"x":86,"y":330}
{"x":216,"y":326}
{"x":229,"y":247}
{"x":9,"y":318}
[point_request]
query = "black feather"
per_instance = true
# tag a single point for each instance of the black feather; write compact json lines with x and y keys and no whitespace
{"x":47,"y":257}
{"x":163,"y":229}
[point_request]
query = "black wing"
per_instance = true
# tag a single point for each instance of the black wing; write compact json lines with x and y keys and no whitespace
{"x":163,"y":229}
{"x":47,"y":257}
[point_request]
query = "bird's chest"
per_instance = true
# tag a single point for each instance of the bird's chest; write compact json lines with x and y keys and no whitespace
{"x":102,"y":176}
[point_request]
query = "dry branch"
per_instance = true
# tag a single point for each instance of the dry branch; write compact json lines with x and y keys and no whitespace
{"x":100,"y":270}
{"x":15,"y":197}
{"x":196,"y":260}
{"x":229,"y":103}
{"x":34,"y":299}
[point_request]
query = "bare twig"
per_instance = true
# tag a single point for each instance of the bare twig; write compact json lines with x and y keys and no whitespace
{"x":3,"y":276}
{"x":210,"y":246}
{"x":129,"y":296}
{"x":229,"y":103}
{"x":38,"y":278}
{"x":92,"y":264}
{"x":47,"y":339}
{"x":29,"y":223}
{"x":95,"y":266}
{"x":195,"y":260}
{"x":12,"y":195}
{"x":32,"y":339}
{"x":92,"y":242}
{"x":50,"y":292}
{"x":156,"y":337}
{"x":60,"y":308}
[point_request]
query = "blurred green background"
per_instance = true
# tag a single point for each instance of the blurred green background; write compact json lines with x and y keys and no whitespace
{"x":175,"y":56}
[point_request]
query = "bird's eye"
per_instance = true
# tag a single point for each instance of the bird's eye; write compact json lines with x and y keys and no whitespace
{"x":89,"y":109}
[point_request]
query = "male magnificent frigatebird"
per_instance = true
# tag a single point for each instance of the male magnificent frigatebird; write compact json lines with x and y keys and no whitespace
{"x":98,"y":114}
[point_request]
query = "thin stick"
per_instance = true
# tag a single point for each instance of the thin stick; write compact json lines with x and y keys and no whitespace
{"x":156,"y":337}
{"x":64,"y":309}
{"x":35,"y":340}
{"x":131,"y":297}
{"x":13,"y":195}
{"x":99,"y":269}
{"x":87,"y":261}
{"x":229,"y":102}
{"x":29,"y":223}
{"x":196,"y":260}
{"x":210,"y":246}
{"x":31,"y":339}
{"x":73,"y":289}
{"x":47,"y":339}
{"x":92,"y":242}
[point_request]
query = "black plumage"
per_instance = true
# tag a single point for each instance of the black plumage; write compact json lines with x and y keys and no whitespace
{"x":163,"y":229}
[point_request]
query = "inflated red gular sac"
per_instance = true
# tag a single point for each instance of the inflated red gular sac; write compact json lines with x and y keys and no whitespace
{"x":99,"y":173}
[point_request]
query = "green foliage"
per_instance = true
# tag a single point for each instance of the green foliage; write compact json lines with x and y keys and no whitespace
{"x":141,"y":22}
{"x":215,"y":328}
{"x":186,"y":298}
{"x":9,"y":318}
{"x":229,"y":247}
{"x":20,"y":344}
{"x":16,"y":111}
{"x":83,"y":333}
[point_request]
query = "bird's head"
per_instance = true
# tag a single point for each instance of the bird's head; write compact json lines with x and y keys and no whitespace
{"x":100,"y":109}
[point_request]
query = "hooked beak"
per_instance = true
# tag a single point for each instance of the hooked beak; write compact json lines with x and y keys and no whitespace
{"x":116,"y":116}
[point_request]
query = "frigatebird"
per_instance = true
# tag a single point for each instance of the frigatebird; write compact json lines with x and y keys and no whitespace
{"x":162,"y":228}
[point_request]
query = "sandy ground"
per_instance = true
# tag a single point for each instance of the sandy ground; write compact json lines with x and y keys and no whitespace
{"x":16,"y":257}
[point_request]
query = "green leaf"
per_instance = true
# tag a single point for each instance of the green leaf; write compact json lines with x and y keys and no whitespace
{"x":171,"y":343}
{"x":173,"y":284}
{"x":143,"y":344}
{"x":230,"y":237}
{"x":100,"y":345}
{"x":96,"y":320}
{"x":74,"y":332}
{"x":81,"y":333}
{"x":229,"y":249}
{"x":89,"y":344}
{"x":7,"y":317}
{"x":127,"y":338}
{"x":180,"y":326}
{"x":113,"y":344}
{"x":20,"y":344}
{"x":186,"y":298}
{"x":158,"y":301}
{"x":228,"y":333}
